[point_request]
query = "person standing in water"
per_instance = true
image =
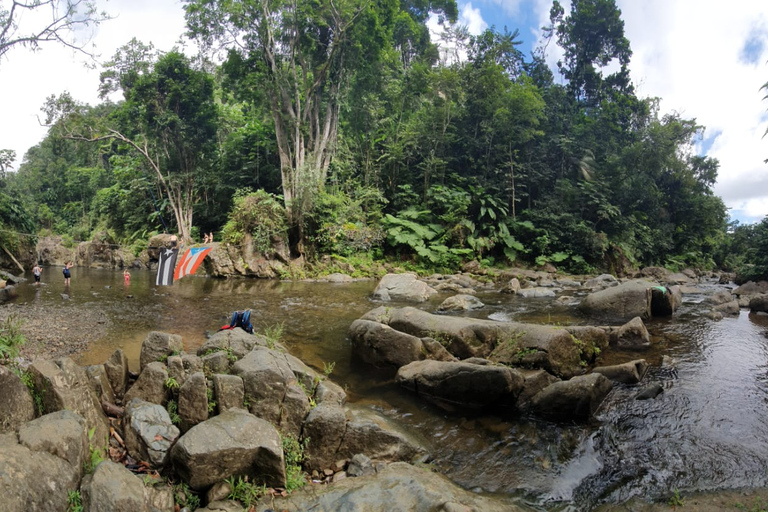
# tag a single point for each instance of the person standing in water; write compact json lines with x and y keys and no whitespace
{"x":37,"y":270}
{"x":126,"y":276}
{"x":67,"y":274}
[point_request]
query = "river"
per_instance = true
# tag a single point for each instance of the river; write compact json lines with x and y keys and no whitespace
{"x":707,"y":431}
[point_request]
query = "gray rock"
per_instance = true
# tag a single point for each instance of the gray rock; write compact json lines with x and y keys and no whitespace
{"x":216,"y":362}
{"x":222,"y":506}
{"x":149,"y":433}
{"x":175,"y":369}
{"x":193,"y":401}
{"x":271,"y":388}
{"x":236,"y":341}
{"x":461,"y":302}
{"x":533,"y":382}
{"x":713,"y":315}
{"x":159,"y":499}
{"x":537,"y":292}
{"x":150,"y":386}
{"x":229,"y":391}
{"x":97,"y":377}
{"x":111,"y":488}
{"x":719,"y":297}
{"x":620,"y":303}
{"x":330,"y":392}
{"x":338,"y":278}
{"x":600,"y":281}
{"x":32,"y":480}
{"x":157,"y":346}
{"x":116,"y":368}
{"x":377,"y":437}
{"x":61,"y":433}
{"x":380,"y":345}
{"x":65,"y":385}
{"x":398,"y":486}
{"x":650,"y":391}
{"x":512,"y":286}
{"x":232,"y":443}
{"x":729,"y":308}
{"x":632,"y":335}
{"x":324,"y":427}
{"x":628,"y":373}
{"x":16,"y":403}
{"x":192,"y":363}
{"x":360,"y":465}
{"x":458,"y":385}
{"x":577,"y":398}
{"x":752,"y":288}
{"x":543,"y":346}
{"x":759,"y":303}
{"x":404,"y":287}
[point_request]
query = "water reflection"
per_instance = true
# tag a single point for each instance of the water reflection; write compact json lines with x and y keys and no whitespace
{"x":708,"y":430}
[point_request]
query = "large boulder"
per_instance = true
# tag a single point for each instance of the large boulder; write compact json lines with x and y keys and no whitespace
{"x":620,"y":303}
{"x":461,"y":302}
{"x":324,"y":427}
{"x":398,"y":486}
{"x":65,"y":385}
{"x":533,"y":382}
{"x":759,"y":304}
{"x":456,"y":386}
{"x":730,"y":308}
{"x":272,"y":389}
{"x":149,"y":432}
{"x":233,"y":443}
{"x":719,"y":297}
{"x":752,"y":288}
{"x":33,"y":480}
{"x":539,"y":346}
{"x":232,"y":341}
{"x":405,"y":287}
{"x":601,"y":281}
{"x":112,"y":487}
{"x":157,"y":346}
{"x":379,"y":438}
{"x":16,"y":403}
{"x":577,"y":398}
{"x":61,"y":433}
{"x":380,"y":345}
{"x":150,"y":386}
{"x":51,"y":252}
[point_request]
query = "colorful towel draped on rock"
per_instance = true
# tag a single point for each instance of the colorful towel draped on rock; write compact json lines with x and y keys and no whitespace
{"x":190,"y":261}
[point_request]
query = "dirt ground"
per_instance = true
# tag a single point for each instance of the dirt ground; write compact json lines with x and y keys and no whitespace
{"x":51,"y":332}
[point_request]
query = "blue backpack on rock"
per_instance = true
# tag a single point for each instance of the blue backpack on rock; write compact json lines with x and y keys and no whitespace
{"x":240,"y":319}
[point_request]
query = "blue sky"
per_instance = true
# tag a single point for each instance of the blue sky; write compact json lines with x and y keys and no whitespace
{"x":706,"y":59}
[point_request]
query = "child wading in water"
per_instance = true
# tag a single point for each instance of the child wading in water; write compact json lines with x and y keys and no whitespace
{"x":37,"y":270}
{"x":66,"y":272}
{"x":127,"y":276}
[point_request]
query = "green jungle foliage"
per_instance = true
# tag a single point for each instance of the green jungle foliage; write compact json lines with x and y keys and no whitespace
{"x":365,"y":139}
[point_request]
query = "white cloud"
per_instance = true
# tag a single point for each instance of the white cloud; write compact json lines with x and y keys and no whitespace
{"x":469,"y":17}
{"x":706,"y":60}
{"x":27,"y":78}
{"x":472,"y":18}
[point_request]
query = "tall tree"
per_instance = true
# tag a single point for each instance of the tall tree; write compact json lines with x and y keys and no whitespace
{"x":304,"y":51}
{"x":593,"y":38}
{"x":60,"y":21}
{"x":168,"y":120}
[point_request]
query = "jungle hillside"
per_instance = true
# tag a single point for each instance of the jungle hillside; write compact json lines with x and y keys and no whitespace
{"x":346,"y":130}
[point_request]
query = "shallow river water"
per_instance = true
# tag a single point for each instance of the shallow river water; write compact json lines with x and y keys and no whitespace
{"x":707,"y":431}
